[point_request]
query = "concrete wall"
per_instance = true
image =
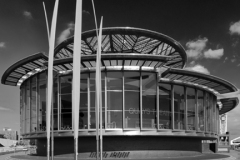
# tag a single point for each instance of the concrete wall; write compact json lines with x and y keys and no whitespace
{"x":64,"y":145}
{"x":7,"y":142}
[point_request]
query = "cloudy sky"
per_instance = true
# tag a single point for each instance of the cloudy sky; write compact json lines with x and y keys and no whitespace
{"x":208,"y":30}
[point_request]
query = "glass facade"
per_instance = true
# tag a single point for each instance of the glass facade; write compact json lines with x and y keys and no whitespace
{"x":131,"y":100}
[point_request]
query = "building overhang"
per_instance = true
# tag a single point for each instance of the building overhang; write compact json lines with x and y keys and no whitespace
{"x":211,"y":82}
{"x":23,"y":69}
{"x":228,"y":104}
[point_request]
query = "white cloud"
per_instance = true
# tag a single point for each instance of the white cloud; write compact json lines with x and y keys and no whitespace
{"x":27,"y":14}
{"x":225,"y":60}
{"x":214,"y":54}
{"x":238,"y":65}
{"x":66,"y":33}
{"x":233,"y":59}
{"x":195,"y":48}
{"x":198,"y":68}
{"x":235,"y":28}
{"x":2,"y":44}
{"x":4,"y":109}
{"x":192,"y":63}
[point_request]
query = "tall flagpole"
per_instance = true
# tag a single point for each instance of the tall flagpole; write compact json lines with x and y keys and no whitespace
{"x":100,"y":85}
{"x":96,"y":101}
{"x":50,"y":74}
{"x":76,"y":73}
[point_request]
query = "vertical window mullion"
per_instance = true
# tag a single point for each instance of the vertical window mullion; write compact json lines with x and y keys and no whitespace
{"x":172,"y":106}
{"x":30,"y":104}
{"x":185,"y":109}
{"x":123,"y":104}
{"x":141,"y":117}
{"x":196,"y":111}
{"x":89,"y":107}
{"x":58,"y":103}
{"x":105,"y":81}
{"x":204,"y":111}
{"x":157,"y":98}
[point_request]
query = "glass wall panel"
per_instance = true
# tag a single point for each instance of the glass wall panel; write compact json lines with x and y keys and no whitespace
{"x":22,"y":109}
{"x":27,"y":102}
{"x":83,"y":113}
{"x":55,"y":103}
{"x":217,"y":119}
{"x":211,"y":113}
{"x":66,"y":84}
{"x":191,"y":108}
{"x":103,"y":77}
{"x":92,"y":100}
{"x":42,"y":102}
{"x":179,"y":112}
{"x":65,"y":97}
{"x":207,"y":106}
{"x":114,"y":100}
{"x":33,"y":104}
{"x":149,"y":93}
{"x":214,"y":114}
{"x":200,"y":111}
{"x":132,"y":99}
{"x":66,"y":111}
{"x":165,"y":111}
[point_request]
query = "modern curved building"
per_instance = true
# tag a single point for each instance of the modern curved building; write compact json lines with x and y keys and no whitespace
{"x":150,"y":102}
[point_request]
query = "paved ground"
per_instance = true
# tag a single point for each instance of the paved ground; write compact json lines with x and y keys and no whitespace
{"x":233,"y":155}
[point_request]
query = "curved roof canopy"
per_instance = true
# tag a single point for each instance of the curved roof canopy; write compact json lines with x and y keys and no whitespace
{"x":228,"y":104}
{"x":127,"y":41}
{"x":196,"y":78}
{"x":24,"y":68}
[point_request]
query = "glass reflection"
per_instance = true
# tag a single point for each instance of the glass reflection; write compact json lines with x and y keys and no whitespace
{"x":114,"y":100}
{"x":179,"y":113}
{"x":191,"y":109}
{"x":27,"y":102}
{"x":200,"y":111}
{"x":165,"y":110}
{"x":207,"y":112}
{"x":132,"y":99}
{"x":149,"y":94}
{"x":22,"y":109}
{"x":55,"y":104}
{"x":42,"y":103}
{"x":66,"y":112}
{"x":83,"y":113}
{"x":33,"y":104}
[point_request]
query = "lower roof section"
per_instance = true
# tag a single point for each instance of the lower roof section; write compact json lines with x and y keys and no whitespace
{"x":228,"y":104}
{"x":197,"y":78}
{"x":23,"y":69}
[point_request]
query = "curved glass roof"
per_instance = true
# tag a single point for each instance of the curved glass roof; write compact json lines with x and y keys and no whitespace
{"x":127,"y":41}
